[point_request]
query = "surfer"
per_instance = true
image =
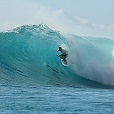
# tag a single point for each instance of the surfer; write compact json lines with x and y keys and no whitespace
{"x":63,"y":55}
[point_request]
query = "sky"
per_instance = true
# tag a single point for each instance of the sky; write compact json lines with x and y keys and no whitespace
{"x":79,"y":17}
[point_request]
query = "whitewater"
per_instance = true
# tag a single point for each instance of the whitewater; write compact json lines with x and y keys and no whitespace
{"x":28,"y":57}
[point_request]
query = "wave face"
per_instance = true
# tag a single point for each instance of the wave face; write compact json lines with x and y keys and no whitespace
{"x":28,"y":56}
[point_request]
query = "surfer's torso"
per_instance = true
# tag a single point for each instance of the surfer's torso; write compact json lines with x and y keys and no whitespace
{"x":63,"y":51}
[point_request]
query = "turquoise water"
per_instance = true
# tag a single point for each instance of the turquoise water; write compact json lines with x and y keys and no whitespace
{"x":55,"y":100}
{"x":28,"y":57}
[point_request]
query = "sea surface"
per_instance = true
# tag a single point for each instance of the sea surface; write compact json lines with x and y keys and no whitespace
{"x":55,"y":100}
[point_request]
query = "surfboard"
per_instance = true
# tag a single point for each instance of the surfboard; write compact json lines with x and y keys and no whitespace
{"x":62,"y":61}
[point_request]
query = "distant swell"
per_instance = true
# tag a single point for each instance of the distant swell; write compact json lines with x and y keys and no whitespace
{"x":28,"y":57}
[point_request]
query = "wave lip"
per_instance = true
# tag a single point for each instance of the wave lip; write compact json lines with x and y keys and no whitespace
{"x":29,"y":57}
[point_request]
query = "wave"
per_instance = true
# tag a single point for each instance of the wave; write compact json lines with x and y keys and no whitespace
{"x":28,"y":56}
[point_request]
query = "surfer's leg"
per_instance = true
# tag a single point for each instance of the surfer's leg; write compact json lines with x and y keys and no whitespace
{"x":64,"y":58}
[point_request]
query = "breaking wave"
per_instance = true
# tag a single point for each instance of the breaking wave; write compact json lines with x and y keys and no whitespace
{"x":28,"y":56}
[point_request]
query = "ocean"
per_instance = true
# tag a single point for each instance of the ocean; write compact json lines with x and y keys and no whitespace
{"x":34,"y":81}
{"x":55,"y":100}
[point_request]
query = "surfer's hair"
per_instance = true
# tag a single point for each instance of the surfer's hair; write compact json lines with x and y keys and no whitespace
{"x":60,"y":47}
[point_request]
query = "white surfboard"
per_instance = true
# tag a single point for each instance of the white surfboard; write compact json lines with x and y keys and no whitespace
{"x":64,"y":62}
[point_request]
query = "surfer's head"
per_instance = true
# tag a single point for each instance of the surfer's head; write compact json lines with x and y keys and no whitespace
{"x":60,"y":48}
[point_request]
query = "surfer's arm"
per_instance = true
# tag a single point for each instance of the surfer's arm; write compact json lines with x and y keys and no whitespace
{"x":57,"y":50}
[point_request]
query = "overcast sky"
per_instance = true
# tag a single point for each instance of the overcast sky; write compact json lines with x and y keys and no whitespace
{"x":80,"y":17}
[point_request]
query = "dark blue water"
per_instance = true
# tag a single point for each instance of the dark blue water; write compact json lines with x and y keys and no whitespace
{"x":55,"y":100}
